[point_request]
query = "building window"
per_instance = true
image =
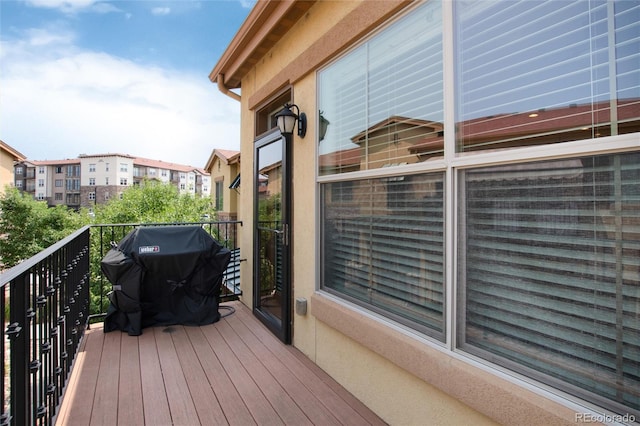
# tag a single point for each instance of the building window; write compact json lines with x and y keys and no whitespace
{"x":542,"y":241}
{"x":92,"y":196}
{"x":383,"y":238}
{"x":219,"y":196}
{"x":106,"y":180}
{"x":41,"y":170}
{"x":384,"y":101}
{"x":106,"y":167}
{"x":124,"y":167}
{"x":92,"y":181}
{"x":265,"y":116}
{"x":59,"y":183}
{"x":40,"y":183}
{"x":550,"y":276}
{"x":123,"y":181}
{"x":541,"y":75}
{"x":92,"y":167}
{"x":59,"y":169}
{"x":19,"y":170}
{"x":388,"y":260}
{"x":58,"y":196}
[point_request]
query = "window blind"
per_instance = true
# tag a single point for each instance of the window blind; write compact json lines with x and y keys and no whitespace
{"x":542,"y":72}
{"x":383,"y":247}
{"x":384,"y":100}
{"x":549,"y":268}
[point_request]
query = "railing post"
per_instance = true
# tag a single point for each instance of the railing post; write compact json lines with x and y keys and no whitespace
{"x":18,"y":333}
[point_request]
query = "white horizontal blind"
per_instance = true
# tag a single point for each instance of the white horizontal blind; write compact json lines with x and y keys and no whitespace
{"x":541,"y":72}
{"x":549,"y":269}
{"x":383,"y":246}
{"x":384,"y":100}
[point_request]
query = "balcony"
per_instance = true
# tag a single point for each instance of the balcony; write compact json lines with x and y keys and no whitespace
{"x":60,"y":368}
{"x":231,"y":372}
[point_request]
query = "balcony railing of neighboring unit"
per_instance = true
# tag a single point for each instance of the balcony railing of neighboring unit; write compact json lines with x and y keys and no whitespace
{"x":48,"y":301}
{"x":45,"y":301}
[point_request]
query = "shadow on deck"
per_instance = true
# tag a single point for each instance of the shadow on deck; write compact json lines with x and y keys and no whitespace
{"x":231,"y":372}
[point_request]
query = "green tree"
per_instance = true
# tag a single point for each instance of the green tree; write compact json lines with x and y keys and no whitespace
{"x":154,"y":202}
{"x":28,"y":226}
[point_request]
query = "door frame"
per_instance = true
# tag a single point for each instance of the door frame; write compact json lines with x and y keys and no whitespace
{"x":283,"y":330}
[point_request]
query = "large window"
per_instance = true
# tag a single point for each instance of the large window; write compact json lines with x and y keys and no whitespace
{"x":384,"y":246}
{"x":384,"y":102}
{"x":549,"y":267}
{"x":542,"y":243}
{"x":543,"y":72}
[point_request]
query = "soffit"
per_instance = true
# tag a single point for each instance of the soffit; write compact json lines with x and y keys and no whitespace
{"x":266,"y":24}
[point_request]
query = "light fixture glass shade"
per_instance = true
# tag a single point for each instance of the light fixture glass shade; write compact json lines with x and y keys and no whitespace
{"x":286,"y":120}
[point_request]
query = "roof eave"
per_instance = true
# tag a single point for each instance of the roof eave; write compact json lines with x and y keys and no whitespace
{"x":267,"y":23}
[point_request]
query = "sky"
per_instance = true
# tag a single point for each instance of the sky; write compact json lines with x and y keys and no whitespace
{"x":128,"y":77}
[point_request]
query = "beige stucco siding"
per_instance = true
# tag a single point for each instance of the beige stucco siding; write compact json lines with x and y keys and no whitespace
{"x":397,"y":395}
{"x":6,"y":170}
{"x":402,"y":378}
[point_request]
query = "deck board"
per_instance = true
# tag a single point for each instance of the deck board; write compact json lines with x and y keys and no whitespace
{"x":107,"y":392}
{"x":232,"y":372}
{"x":154,"y":401}
{"x":130,"y":411}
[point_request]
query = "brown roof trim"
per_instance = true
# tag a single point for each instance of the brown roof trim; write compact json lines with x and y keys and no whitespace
{"x":227,"y":156}
{"x":17,"y":155}
{"x":68,"y":161}
{"x":267,"y":22}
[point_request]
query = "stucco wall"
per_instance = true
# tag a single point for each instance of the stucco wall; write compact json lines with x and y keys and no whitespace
{"x":392,"y":387}
{"x":6,"y":170}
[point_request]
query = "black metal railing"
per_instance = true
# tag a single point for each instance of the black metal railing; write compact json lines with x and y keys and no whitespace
{"x":45,"y":301}
{"x":48,"y":302}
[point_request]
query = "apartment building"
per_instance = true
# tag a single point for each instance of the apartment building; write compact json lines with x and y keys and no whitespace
{"x":56,"y":181}
{"x":8,"y":156}
{"x":94,"y":179}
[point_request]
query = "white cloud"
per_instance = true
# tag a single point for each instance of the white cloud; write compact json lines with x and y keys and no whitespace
{"x":161,"y":10}
{"x":74,"y":6}
{"x":60,"y":101}
{"x":247,"y":4}
{"x":42,"y":37}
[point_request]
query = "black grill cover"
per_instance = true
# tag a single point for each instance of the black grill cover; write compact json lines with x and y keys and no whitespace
{"x":164,"y":275}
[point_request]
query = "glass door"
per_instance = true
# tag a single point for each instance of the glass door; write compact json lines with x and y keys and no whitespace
{"x":272,"y":286}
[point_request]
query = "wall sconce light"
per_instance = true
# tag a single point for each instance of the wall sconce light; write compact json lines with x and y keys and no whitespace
{"x":286,"y":120}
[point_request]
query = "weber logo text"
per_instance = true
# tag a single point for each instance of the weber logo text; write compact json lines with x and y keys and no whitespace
{"x":149,"y":249}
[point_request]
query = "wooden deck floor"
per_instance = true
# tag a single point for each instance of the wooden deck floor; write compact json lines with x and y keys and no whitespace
{"x":231,"y":372}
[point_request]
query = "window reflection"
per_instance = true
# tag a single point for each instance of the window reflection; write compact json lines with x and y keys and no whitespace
{"x":531,"y":73}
